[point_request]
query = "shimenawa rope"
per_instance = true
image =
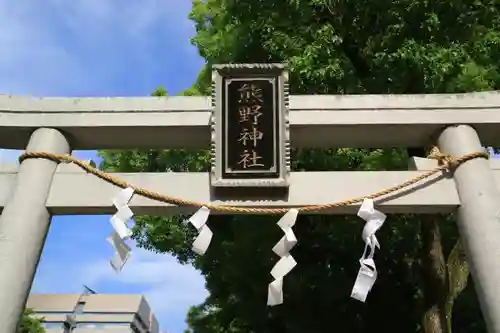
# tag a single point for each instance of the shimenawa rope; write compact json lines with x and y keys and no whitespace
{"x":446,"y":163}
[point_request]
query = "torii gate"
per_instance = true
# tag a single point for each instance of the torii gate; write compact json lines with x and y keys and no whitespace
{"x":459,"y":124}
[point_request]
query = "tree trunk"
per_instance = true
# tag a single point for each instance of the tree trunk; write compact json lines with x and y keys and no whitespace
{"x":434,"y":276}
{"x":458,"y":276}
{"x":443,"y":281}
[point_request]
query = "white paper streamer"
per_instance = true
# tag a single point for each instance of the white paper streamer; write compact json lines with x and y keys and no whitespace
{"x":122,"y":251}
{"x":199,"y":221}
{"x":286,"y":262}
{"x":123,"y":213}
{"x":367,"y":274}
{"x":121,"y":231}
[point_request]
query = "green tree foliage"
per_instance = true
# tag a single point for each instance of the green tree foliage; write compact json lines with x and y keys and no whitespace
{"x":333,"y":47}
{"x":30,"y":323}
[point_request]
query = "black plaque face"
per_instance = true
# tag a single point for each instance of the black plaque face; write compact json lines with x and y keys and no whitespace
{"x":250,"y":123}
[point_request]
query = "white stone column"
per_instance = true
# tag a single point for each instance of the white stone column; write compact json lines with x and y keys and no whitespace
{"x":478,"y":218}
{"x":24,"y":224}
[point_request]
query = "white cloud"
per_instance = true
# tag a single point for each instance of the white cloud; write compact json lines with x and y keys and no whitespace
{"x":60,"y":47}
{"x":96,"y":20}
{"x":132,"y":18}
{"x":169,"y":287}
{"x":30,"y":55}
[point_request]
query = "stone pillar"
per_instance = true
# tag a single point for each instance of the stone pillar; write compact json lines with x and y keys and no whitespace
{"x":478,"y":218}
{"x":24,"y":224}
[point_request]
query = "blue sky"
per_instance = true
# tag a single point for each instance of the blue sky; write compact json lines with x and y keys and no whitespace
{"x":102,"y":48}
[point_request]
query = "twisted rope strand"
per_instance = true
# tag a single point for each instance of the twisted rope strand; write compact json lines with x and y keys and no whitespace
{"x":446,"y":163}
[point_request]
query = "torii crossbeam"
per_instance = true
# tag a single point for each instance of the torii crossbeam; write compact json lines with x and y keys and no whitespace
{"x":38,"y":188}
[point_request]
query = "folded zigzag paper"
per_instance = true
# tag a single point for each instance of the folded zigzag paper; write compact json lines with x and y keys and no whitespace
{"x":367,"y":274}
{"x":121,"y":231}
{"x":286,"y":262}
{"x":199,"y":221}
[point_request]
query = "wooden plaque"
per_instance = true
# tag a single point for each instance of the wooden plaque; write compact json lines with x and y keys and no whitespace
{"x":250,"y":127}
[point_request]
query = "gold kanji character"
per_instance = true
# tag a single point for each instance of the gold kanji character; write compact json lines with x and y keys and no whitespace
{"x":253,"y":136}
{"x":250,"y":93}
{"x":250,"y":159}
{"x":250,"y":112}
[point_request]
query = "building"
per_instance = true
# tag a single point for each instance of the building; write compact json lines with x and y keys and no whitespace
{"x":94,"y":313}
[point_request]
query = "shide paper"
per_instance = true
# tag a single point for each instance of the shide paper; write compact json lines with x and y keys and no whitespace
{"x":199,"y":221}
{"x":365,"y":280}
{"x":123,"y":213}
{"x":122,"y":251}
{"x":121,"y":231}
{"x":367,"y":274}
{"x":286,"y":262}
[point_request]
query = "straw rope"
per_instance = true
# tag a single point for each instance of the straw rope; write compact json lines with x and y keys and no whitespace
{"x":446,"y":163}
